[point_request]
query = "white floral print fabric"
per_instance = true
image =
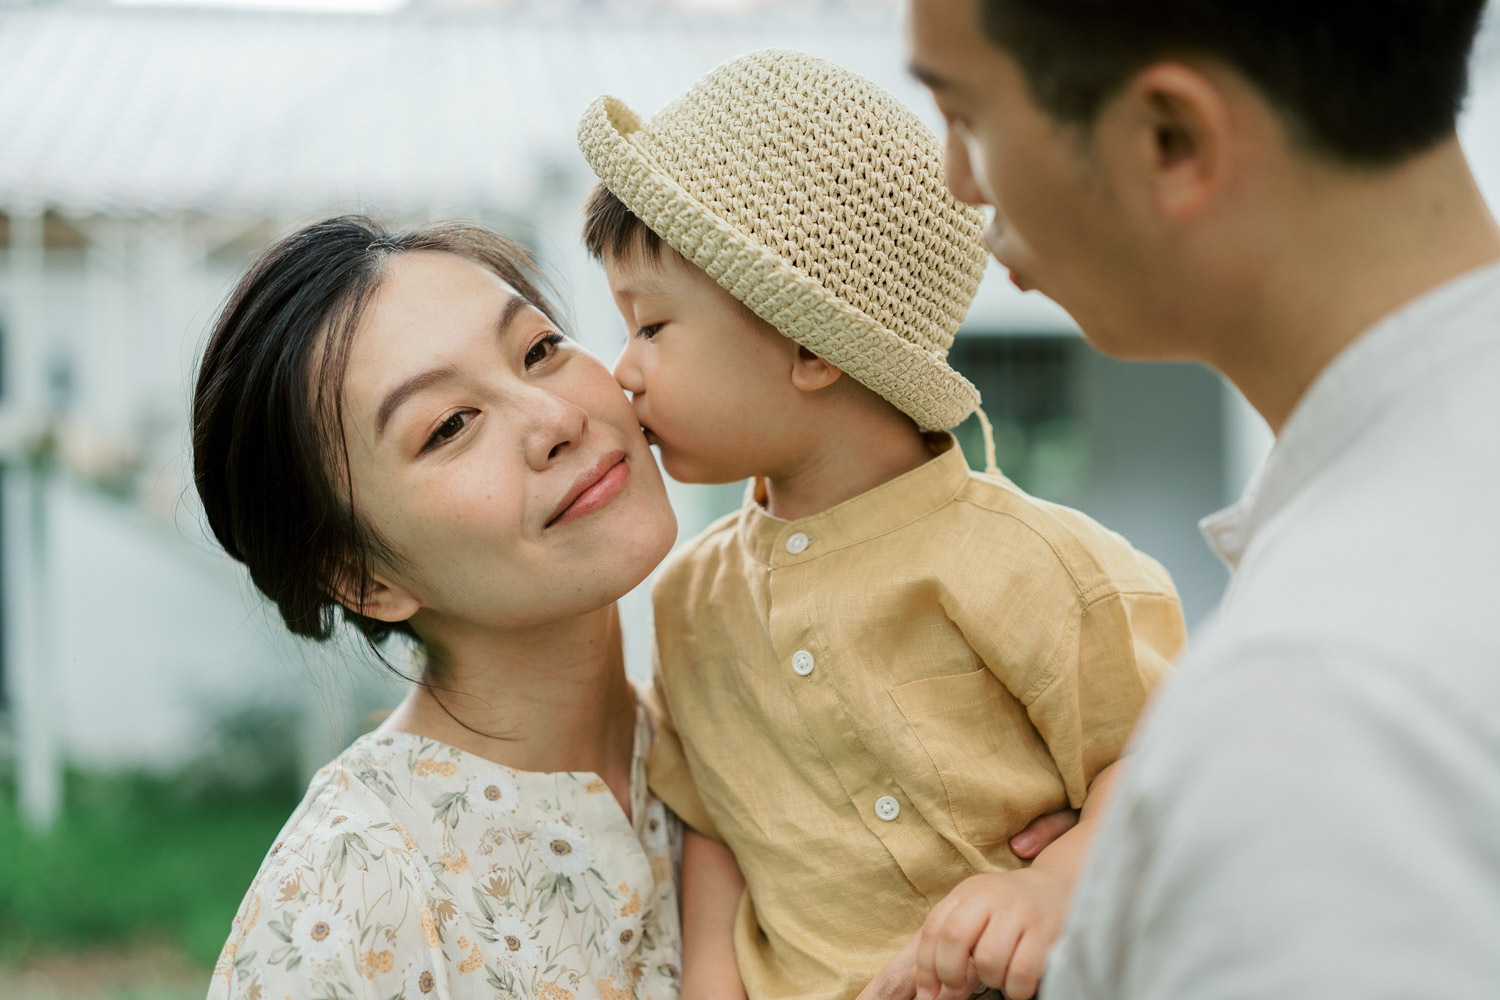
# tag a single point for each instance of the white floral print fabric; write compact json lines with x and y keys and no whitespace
{"x":415,"y":871}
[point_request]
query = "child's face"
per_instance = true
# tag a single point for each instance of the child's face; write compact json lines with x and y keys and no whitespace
{"x":710,"y":383}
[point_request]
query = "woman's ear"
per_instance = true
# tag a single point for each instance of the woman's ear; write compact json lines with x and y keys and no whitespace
{"x":375,"y":598}
{"x":811,"y":373}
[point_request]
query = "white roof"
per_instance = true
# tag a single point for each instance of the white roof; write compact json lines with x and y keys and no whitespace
{"x":131,"y":110}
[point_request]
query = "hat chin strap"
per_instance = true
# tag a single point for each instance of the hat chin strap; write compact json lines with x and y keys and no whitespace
{"x":989,"y":441}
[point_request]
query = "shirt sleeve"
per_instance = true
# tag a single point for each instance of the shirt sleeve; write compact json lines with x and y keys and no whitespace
{"x":1084,"y":666}
{"x":1300,"y":827}
{"x":667,"y":770}
{"x":1109,"y":661}
{"x":341,"y":917}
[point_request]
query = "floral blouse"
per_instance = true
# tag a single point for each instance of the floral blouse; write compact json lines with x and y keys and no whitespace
{"x":415,"y":870}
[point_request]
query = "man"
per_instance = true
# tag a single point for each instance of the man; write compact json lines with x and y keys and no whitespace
{"x":1275,"y":189}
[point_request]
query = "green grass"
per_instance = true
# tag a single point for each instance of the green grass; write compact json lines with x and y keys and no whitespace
{"x":150,"y":857}
{"x":132,"y":857}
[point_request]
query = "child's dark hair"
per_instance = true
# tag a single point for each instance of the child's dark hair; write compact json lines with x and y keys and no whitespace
{"x":1367,"y":84}
{"x":610,"y":230}
{"x":269,"y":458}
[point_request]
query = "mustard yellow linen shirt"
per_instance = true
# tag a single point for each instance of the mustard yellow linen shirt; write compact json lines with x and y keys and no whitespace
{"x":866,"y":704}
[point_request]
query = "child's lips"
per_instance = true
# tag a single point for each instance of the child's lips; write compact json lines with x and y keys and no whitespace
{"x":1017,"y":279}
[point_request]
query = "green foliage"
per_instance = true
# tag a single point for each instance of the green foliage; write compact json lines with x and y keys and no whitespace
{"x":140,"y":856}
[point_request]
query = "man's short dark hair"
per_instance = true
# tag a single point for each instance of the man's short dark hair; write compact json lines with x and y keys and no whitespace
{"x":612,"y":230}
{"x":1367,"y":83}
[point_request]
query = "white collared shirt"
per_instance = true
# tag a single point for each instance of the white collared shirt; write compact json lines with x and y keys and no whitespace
{"x":1312,"y":808}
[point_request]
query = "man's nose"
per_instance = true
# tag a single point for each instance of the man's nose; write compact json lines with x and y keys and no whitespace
{"x":959,"y":172}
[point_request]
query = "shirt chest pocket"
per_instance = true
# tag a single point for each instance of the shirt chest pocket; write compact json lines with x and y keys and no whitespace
{"x":993,"y":766}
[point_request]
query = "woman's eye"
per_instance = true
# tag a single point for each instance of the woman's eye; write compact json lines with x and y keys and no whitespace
{"x":647,"y":332}
{"x":448,"y":429}
{"x":543,"y":349}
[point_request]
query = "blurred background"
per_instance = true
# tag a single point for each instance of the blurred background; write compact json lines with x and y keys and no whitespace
{"x":156,"y":723}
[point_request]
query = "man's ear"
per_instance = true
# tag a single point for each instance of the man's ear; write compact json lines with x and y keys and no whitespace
{"x":811,"y":373}
{"x":1181,"y":122}
{"x":375,"y":598}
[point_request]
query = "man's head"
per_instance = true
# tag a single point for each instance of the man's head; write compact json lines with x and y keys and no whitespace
{"x":1141,"y":153}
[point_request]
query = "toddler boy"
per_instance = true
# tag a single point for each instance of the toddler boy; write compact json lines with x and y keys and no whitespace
{"x":885,"y":665}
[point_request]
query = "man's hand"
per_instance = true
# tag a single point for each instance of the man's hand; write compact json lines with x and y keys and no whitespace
{"x":1001,"y":925}
{"x":1041,"y":832}
{"x":894,"y":982}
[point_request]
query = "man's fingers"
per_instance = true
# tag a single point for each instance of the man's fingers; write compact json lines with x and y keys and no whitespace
{"x":1042,"y":831}
{"x":894,"y":982}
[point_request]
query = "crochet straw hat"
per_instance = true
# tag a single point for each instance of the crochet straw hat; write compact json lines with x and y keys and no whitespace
{"x":817,"y":200}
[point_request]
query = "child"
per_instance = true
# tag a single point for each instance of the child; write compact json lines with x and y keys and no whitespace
{"x":884,"y":665}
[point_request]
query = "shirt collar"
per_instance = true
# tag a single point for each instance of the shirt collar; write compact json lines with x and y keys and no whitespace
{"x":885,"y":508}
{"x":1451,"y":322}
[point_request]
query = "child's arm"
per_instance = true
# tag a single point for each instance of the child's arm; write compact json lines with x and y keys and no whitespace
{"x":711,"y":890}
{"x":1007,"y":922}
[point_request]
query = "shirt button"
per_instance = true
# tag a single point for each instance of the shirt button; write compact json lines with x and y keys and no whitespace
{"x":802,"y":663}
{"x":887,"y":808}
{"x":796,"y":544}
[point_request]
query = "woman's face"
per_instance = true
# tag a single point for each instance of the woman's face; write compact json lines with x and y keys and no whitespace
{"x":500,"y":462}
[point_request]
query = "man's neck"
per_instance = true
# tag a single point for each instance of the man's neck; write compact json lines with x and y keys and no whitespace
{"x":1355,"y":250}
{"x":856,"y":450}
{"x":550,"y":698}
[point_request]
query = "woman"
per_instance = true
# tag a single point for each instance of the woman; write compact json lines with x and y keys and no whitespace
{"x":389,"y":428}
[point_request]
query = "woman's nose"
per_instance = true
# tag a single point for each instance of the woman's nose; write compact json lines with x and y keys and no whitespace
{"x":557,"y":425}
{"x":628,"y":369}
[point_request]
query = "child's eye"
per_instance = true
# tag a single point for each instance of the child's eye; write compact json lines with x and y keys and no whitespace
{"x":448,"y":429}
{"x":647,"y":332}
{"x":543,"y":349}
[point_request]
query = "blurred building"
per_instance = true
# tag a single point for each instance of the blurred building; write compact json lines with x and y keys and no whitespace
{"x":147,"y":153}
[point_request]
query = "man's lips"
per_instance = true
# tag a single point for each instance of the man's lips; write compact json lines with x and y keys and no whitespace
{"x":994,"y":239}
{"x":597,"y":486}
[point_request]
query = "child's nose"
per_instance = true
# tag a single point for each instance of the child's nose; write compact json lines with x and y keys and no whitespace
{"x":628,"y":372}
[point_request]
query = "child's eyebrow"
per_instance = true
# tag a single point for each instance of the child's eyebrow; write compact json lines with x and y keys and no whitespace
{"x":644,"y":288}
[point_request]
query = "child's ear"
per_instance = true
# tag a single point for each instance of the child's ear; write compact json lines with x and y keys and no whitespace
{"x":375,"y":598}
{"x":811,"y":373}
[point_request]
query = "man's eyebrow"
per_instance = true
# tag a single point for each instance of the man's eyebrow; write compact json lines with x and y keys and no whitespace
{"x":437,"y":376}
{"x":933,"y":80}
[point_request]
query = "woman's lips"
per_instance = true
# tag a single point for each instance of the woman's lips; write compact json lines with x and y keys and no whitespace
{"x":604,"y":481}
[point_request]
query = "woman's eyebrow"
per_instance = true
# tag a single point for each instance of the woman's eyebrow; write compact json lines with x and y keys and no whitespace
{"x":408,"y":389}
{"x":508,"y":313}
{"x":437,"y":376}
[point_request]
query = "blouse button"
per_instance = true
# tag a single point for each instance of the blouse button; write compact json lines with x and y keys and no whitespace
{"x":796,"y":543}
{"x":887,"y":808}
{"x":802,"y":663}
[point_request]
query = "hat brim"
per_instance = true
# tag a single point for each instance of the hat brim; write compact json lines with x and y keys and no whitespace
{"x":916,"y":381}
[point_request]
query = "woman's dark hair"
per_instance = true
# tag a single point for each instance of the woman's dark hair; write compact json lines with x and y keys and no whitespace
{"x":269,"y":458}
{"x":1367,"y":84}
